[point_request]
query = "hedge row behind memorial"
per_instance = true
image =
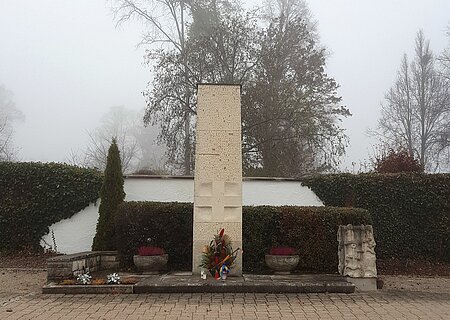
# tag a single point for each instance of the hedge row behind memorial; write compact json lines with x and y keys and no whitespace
{"x":36,"y":195}
{"x":410,"y":211}
{"x":311,"y":230}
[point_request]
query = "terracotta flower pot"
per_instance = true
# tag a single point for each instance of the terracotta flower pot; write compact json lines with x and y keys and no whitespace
{"x":150,"y":264}
{"x":282,"y":264}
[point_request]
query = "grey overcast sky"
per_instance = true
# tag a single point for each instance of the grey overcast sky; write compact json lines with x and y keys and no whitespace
{"x":67,"y":64}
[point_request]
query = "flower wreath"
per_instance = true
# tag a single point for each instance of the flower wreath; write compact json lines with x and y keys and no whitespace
{"x":219,"y":256}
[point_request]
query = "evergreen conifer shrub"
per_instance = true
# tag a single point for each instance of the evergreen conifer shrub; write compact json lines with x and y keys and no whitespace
{"x":111,"y":195}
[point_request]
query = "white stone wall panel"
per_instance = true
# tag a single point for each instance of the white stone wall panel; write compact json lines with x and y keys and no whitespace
{"x":76,"y":234}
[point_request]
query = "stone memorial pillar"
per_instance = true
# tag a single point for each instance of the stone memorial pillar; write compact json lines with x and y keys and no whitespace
{"x":218,"y":169}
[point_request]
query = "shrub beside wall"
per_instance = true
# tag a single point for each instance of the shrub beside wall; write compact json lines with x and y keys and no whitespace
{"x":312,"y":230}
{"x":410,"y":212}
{"x":161,"y":224}
{"x":33,"y":196}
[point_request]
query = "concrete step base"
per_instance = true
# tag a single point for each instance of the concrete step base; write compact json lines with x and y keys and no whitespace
{"x":185,"y":282}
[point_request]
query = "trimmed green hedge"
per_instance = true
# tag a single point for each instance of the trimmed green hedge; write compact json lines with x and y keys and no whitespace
{"x":162,"y":224}
{"x":312,"y":230}
{"x":33,"y":196}
{"x":410,"y":211}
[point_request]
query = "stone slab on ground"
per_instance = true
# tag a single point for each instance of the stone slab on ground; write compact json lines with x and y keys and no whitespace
{"x":187,"y":283}
{"x":87,"y":289}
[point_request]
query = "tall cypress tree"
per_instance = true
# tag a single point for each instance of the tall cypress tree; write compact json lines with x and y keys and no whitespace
{"x":111,"y":194}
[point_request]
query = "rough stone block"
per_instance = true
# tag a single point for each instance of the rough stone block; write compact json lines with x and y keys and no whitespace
{"x":61,"y":264}
{"x":111,"y":258}
{"x":356,"y":251}
{"x":110,"y":265}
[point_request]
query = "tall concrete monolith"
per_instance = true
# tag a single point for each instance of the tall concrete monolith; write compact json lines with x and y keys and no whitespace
{"x":218,"y":169}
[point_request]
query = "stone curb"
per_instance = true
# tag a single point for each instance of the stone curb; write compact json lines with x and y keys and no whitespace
{"x":192,"y":284}
{"x":87,"y":289}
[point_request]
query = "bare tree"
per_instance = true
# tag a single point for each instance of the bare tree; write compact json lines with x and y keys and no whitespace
{"x":444,"y":58}
{"x":220,"y":48}
{"x":115,"y":124}
{"x":397,"y":121}
{"x":136,"y":143}
{"x":166,"y":20}
{"x":416,"y":115}
{"x":7,"y":152}
{"x":170,"y":24}
{"x":291,"y":108}
{"x":8,"y":114}
{"x":290,"y":9}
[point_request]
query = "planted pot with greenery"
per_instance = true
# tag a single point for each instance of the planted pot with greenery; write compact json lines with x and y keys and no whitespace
{"x":150,"y":260}
{"x":282,"y":260}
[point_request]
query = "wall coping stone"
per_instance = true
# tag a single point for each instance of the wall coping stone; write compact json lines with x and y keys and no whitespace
{"x":168,"y":177}
{"x":81,"y":255}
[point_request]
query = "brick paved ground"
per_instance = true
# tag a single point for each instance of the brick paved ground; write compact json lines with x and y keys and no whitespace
{"x":378,"y":305}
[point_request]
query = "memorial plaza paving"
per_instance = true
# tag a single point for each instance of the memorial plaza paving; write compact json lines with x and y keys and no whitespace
{"x":402,"y":298}
{"x":377,"y":305}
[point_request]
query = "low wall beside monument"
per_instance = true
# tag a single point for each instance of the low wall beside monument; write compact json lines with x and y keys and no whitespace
{"x":68,"y":266}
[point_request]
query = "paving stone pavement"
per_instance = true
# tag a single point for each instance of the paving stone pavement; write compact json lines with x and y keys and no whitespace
{"x":376,"y":305}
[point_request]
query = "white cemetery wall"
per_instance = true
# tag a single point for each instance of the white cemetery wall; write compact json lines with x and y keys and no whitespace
{"x":76,"y":234}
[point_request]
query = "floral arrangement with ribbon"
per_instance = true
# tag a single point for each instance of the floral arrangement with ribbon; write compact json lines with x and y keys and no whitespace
{"x":218,"y":257}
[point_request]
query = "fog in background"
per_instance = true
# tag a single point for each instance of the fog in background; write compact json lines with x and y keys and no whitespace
{"x":67,"y":64}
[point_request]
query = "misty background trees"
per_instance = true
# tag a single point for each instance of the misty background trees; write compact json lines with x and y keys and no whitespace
{"x":416,"y":114}
{"x":135,"y":142}
{"x":444,"y":58}
{"x":290,"y":106}
{"x":9,"y":113}
{"x":291,"y":109}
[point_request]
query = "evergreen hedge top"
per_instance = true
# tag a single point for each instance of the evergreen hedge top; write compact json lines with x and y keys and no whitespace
{"x":36,"y":195}
{"x":410,"y":211}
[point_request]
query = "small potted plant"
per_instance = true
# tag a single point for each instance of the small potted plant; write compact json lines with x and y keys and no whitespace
{"x":282,"y":260}
{"x":150,"y":260}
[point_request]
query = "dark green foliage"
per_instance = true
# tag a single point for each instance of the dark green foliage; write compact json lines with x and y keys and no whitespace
{"x":311,"y":230}
{"x":33,"y":196}
{"x":111,"y":195}
{"x":260,"y":228}
{"x":165,"y":225}
{"x":410,"y":212}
